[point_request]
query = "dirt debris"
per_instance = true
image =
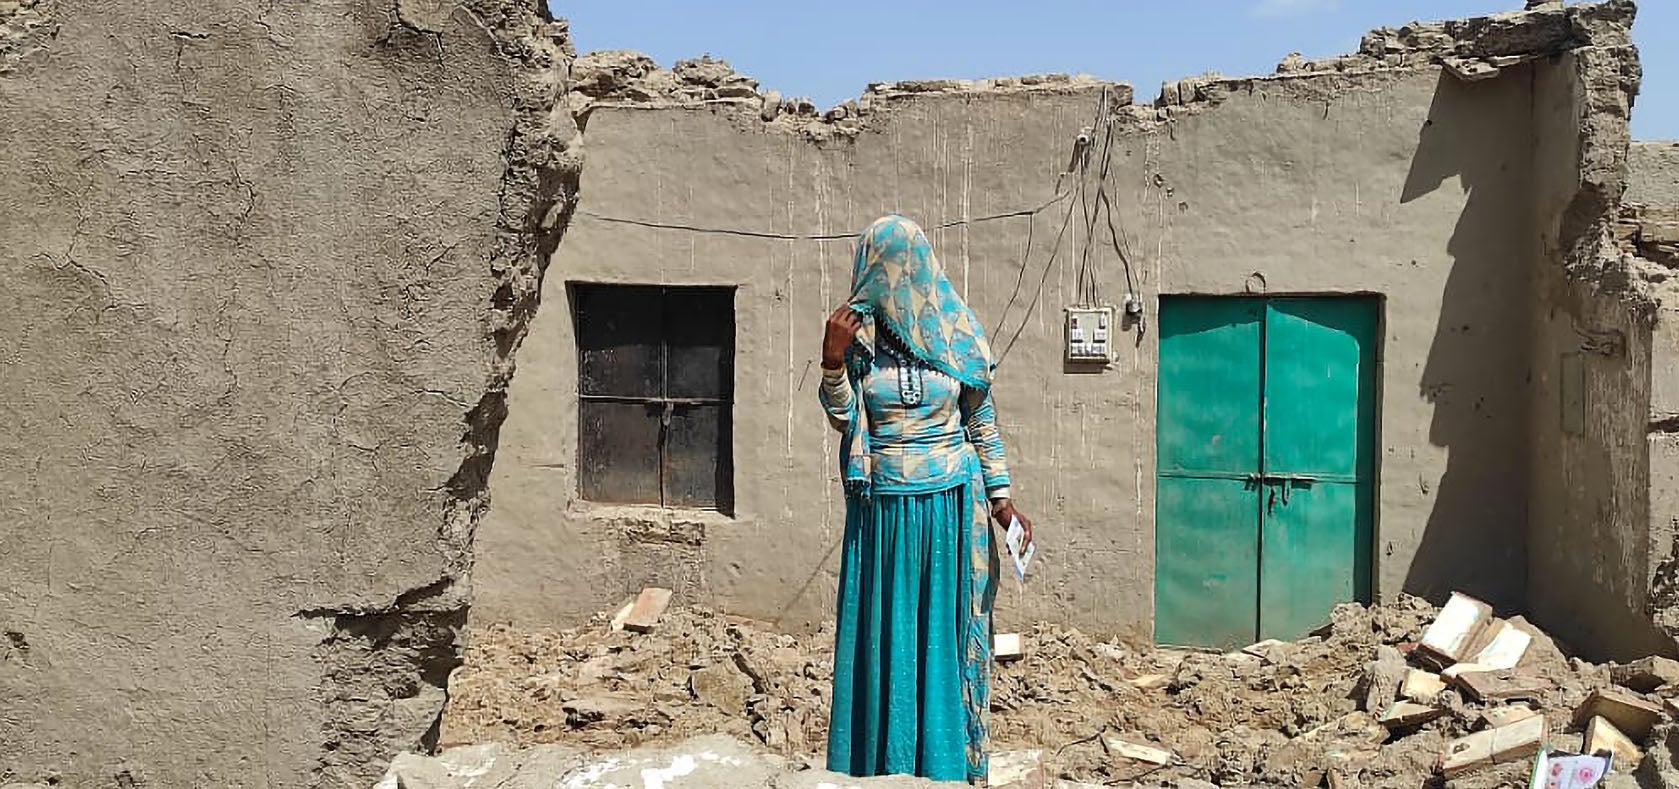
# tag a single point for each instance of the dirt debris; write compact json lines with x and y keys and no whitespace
{"x":1303,"y":713}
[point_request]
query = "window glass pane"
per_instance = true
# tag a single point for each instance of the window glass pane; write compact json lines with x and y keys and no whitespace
{"x":618,"y":451}
{"x":618,"y":347}
{"x":701,"y":334}
{"x":698,"y":455}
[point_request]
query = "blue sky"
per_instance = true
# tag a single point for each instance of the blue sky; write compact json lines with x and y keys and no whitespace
{"x":830,"y":50}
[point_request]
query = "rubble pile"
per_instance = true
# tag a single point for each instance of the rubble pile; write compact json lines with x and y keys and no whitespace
{"x":1400,"y":695}
{"x":1650,"y":233}
{"x":628,"y":77}
{"x":1480,"y":47}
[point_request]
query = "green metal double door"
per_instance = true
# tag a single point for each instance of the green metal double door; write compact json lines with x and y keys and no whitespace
{"x":1264,"y":506}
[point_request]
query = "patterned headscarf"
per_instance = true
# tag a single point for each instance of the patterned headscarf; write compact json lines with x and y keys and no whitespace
{"x":898,"y":283}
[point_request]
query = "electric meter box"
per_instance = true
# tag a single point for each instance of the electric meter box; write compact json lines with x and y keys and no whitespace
{"x":1090,"y":332}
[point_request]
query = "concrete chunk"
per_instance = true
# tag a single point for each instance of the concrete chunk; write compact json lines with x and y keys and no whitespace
{"x":649,"y":606}
{"x":1494,"y":746}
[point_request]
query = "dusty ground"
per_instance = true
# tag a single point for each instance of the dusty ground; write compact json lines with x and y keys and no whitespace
{"x":1290,"y":714}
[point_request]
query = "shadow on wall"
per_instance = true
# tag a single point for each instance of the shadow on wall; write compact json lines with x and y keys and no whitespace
{"x":1476,"y":375}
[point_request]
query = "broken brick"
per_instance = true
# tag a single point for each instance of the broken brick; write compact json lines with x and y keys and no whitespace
{"x":1504,"y":716}
{"x":1631,"y":714}
{"x":1484,"y":686}
{"x":1455,"y":633}
{"x":1404,"y":713}
{"x":1130,"y":751}
{"x":649,"y":606}
{"x":1602,"y":736}
{"x":1516,"y":741}
{"x":1007,"y":646}
{"x":1422,"y":687}
{"x":1019,"y":770}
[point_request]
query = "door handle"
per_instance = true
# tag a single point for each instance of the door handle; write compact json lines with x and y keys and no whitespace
{"x":1285,"y":481}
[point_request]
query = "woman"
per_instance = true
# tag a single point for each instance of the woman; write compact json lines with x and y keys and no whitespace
{"x":907,"y":381}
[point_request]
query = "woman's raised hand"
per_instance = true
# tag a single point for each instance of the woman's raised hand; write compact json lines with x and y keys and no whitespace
{"x":842,"y":326}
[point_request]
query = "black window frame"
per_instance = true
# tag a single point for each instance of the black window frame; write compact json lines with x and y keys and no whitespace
{"x":604,"y":311}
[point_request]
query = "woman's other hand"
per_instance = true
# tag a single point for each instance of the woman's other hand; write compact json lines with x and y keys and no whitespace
{"x":842,"y":327}
{"x":1003,"y":511}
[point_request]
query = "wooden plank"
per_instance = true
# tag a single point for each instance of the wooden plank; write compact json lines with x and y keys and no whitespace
{"x":649,"y":606}
{"x":1631,"y":714}
{"x":1494,"y":746}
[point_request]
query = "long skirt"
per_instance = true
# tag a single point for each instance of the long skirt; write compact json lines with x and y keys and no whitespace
{"x":909,"y":695}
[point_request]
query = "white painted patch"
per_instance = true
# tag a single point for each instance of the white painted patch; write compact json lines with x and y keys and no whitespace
{"x":589,"y":776}
{"x":655,"y":778}
{"x":728,"y":761}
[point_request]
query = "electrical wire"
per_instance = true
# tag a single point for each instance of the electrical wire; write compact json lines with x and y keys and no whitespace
{"x":1090,"y":207}
{"x":1023,"y":212}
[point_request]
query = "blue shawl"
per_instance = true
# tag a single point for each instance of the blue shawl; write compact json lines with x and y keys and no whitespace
{"x":899,"y":287}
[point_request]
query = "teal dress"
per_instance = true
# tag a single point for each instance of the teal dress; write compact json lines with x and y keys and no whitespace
{"x":913,"y":652}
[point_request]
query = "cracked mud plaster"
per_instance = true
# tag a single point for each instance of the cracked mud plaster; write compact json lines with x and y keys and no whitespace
{"x":387,"y":670}
{"x":268,"y":272}
{"x":26,"y":27}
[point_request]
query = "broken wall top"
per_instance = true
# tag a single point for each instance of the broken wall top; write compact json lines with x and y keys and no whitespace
{"x":1473,"y":48}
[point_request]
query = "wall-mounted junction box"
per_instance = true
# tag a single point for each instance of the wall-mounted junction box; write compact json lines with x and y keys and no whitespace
{"x":1090,"y":333}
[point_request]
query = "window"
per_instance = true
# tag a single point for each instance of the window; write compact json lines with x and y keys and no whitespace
{"x":655,"y":390}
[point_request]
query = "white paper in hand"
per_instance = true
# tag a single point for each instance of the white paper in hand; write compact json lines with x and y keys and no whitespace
{"x":1015,"y":536}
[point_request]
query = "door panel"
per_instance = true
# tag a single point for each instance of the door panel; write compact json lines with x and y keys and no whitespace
{"x":1208,"y":412}
{"x":1319,"y":354}
{"x":1266,"y":456}
{"x":1308,"y":556}
{"x":1206,"y":507}
{"x":1318,"y":448}
{"x":1206,"y":579}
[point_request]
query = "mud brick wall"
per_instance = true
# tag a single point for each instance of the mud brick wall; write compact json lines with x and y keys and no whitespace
{"x":266,"y":266}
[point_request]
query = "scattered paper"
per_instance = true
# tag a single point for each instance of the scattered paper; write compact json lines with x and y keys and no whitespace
{"x":1568,"y":771}
{"x":1015,"y":536}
